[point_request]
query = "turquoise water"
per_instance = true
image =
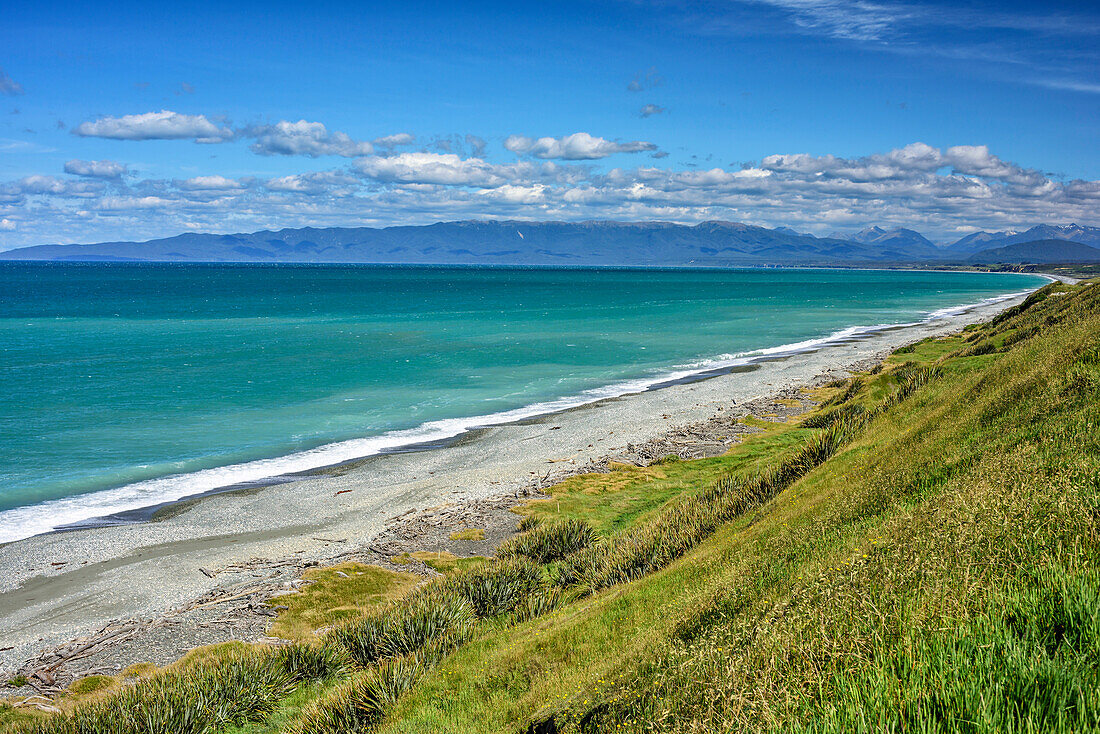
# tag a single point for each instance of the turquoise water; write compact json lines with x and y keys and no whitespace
{"x":125,"y":385}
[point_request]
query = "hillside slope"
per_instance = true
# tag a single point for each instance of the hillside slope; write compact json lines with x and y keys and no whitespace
{"x":1039,"y":251}
{"x":986,"y":240}
{"x":921,"y":553}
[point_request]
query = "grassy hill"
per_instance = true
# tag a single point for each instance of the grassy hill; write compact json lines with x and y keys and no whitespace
{"x":919,"y":554}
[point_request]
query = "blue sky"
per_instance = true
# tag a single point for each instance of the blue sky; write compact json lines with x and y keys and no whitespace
{"x":816,"y":114}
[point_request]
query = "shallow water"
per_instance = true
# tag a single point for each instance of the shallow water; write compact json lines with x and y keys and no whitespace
{"x":125,"y":385}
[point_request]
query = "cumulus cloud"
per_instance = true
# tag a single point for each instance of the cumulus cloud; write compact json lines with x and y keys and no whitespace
{"x":937,"y":191}
{"x":304,"y":138}
{"x":575,"y":147}
{"x":445,"y":169}
{"x":313,"y":184}
{"x":8,"y":85}
{"x":651,"y":109}
{"x":95,"y":169}
{"x":163,"y":125}
{"x":210,"y":183}
{"x":976,"y":160}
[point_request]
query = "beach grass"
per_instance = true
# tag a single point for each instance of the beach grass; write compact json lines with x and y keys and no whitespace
{"x":921,"y":554}
{"x":336,"y":593}
{"x":468,"y":534}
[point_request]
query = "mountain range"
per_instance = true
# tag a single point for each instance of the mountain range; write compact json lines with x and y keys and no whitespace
{"x":581,"y":243}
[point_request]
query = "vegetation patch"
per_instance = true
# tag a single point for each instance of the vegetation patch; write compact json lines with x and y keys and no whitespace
{"x":468,"y":534}
{"x":337,"y":593}
{"x":549,"y":541}
{"x":445,"y":562}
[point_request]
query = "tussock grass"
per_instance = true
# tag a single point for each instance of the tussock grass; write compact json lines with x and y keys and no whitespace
{"x":498,"y":588}
{"x":201,"y":697}
{"x":549,"y":541}
{"x":428,"y":614}
{"x":853,"y":386}
{"x":304,"y":661}
{"x":361,"y":702}
{"x":824,"y":419}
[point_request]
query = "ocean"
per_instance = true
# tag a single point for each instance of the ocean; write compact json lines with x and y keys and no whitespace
{"x":129,"y":385}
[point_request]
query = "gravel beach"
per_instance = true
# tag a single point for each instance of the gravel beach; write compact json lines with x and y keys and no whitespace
{"x":60,"y":586}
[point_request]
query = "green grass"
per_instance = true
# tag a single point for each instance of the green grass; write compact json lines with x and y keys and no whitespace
{"x":613,"y":501}
{"x":884,"y":591}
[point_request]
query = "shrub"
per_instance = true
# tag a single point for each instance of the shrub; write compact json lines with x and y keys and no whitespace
{"x":427,"y":614}
{"x":360,"y":703}
{"x":550,"y":541}
{"x":911,"y":379}
{"x":493,"y":589}
{"x":824,"y":419}
{"x":189,"y":700}
{"x":854,"y":386}
{"x":528,"y":522}
{"x":304,"y":661}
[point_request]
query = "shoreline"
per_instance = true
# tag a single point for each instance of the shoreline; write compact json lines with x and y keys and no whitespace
{"x":58,"y":586}
{"x":119,"y":506}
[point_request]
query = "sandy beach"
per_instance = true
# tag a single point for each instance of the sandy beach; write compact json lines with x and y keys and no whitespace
{"x":60,"y":586}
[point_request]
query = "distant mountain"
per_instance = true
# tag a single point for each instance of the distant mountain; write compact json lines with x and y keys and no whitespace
{"x":476,"y":242}
{"x":547,"y":243}
{"x":1039,"y":252}
{"x":986,"y":240}
{"x":899,"y":241}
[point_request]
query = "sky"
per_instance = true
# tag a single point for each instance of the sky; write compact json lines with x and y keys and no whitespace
{"x":127,"y":121}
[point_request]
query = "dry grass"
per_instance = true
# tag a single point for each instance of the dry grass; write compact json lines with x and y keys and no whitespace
{"x":337,"y":593}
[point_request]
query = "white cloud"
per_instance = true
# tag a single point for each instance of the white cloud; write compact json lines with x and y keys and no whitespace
{"x":445,"y":169}
{"x":95,"y":169}
{"x":575,"y":147}
{"x":53,"y":186}
{"x":392,"y":141}
{"x":304,"y":138}
{"x":7,"y":225}
{"x":935,"y":191}
{"x":313,"y":184}
{"x":1070,"y":85}
{"x":163,"y":125}
{"x":129,"y":203}
{"x":860,"y":20}
{"x":650,"y":110}
{"x":210,"y":183}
